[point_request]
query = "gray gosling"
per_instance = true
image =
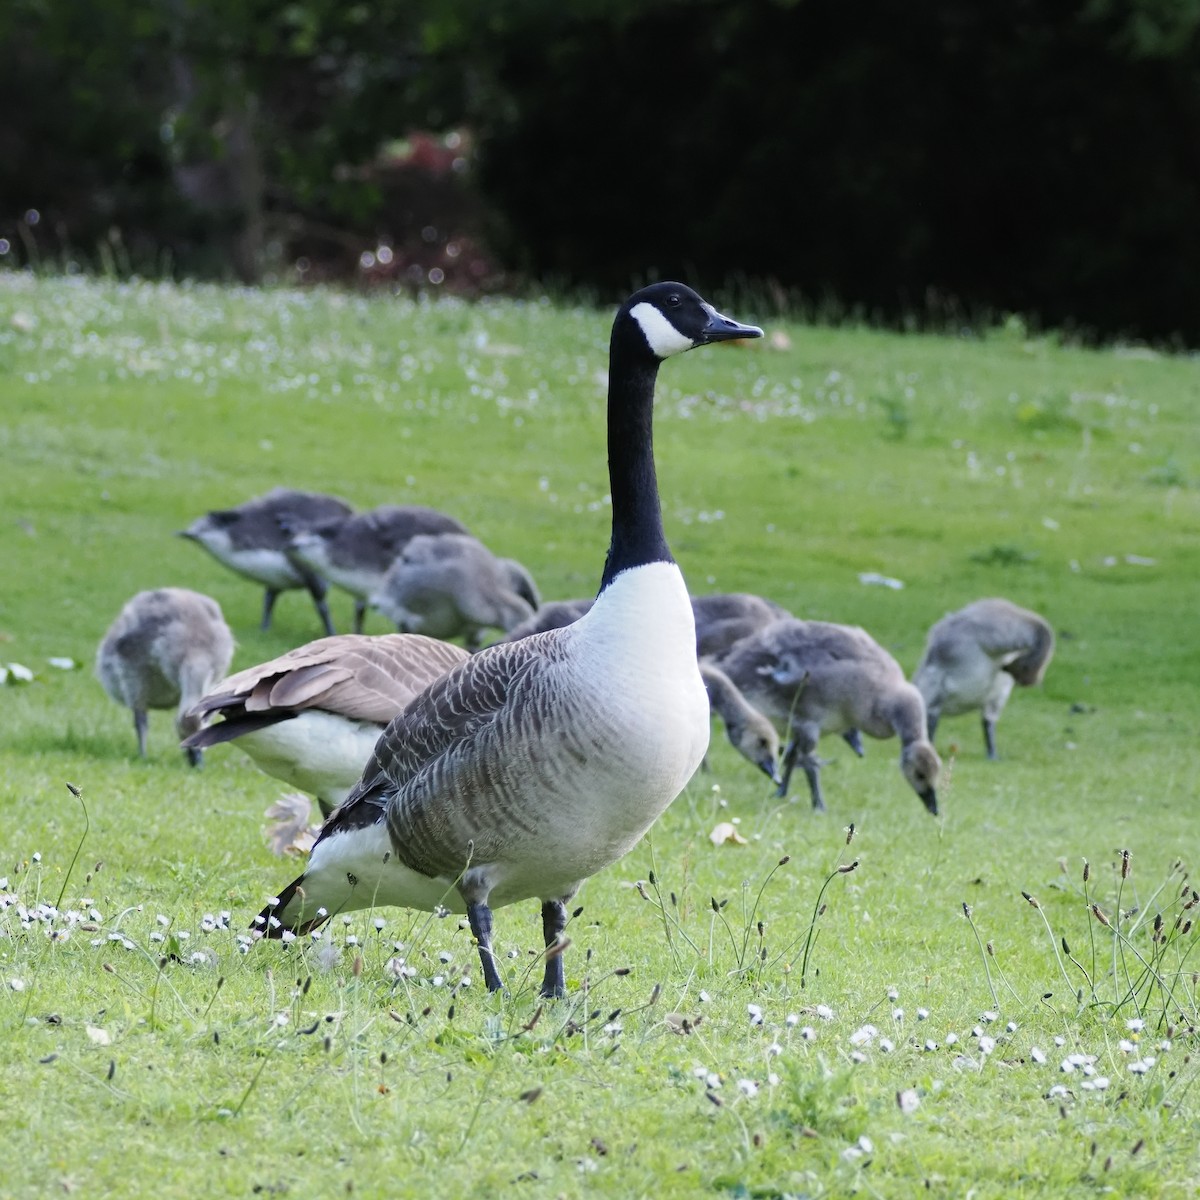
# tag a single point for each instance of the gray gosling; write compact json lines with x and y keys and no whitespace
{"x":750,"y":733}
{"x":723,"y":618}
{"x":450,"y":585}
{"x":166,"y":648}
{"x":974,"y":656}
{"x":312,"y":716}
{"x":354,"y":552}
{"x":251,"y":540}
{"x":532,"y":765}
{"x":814,"y":677}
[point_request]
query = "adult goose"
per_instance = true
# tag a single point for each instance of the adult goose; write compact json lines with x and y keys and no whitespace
{"x":534,"y":764}
{"x":251,"y":540}
{"x":354,"y":552}
{"x":312,"y":716}
{"x":165,"y":649}
{"x":815,"y":677}
{"x":974,"y":656}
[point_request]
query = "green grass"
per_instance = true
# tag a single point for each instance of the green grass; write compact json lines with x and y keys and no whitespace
{"x":137,"y":1060}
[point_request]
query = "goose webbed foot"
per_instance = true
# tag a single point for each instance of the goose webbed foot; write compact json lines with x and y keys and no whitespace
{"x":554,"y":922}
{"x":480,"y":918}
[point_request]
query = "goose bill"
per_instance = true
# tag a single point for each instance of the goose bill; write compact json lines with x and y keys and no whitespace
{"x":721,"y":328}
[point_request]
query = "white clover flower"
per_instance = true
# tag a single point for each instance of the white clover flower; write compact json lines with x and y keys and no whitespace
{"x":1098,"y":1084}
{"x":748,"y":1087}
{"x":922,"y":1014}
{"x":1143,"y":1064}
{"x":988,"y":1017}
{"x":893,"y":993}
{"x":756,"y":1014}
{"x":1038,"y":1056}
{"x":908,"y":1101}
{"x":897,"y":1014}
{"x":863,"y":1035}
{"x":808,"y":1033}
{"x":791,"y":1020}
{"x":930,"y":1046}
{"x":1126,"y":1045}
{"x":1058,"y":1090}
{"x":1135,"y":1024}
{"x":857,"y":1056}
{"x":951,"y":1039}
{"x":986,"y":1044}
{"x":824,"y":1012}
{"x":704,"y":997}
{"x":886,"y":1045}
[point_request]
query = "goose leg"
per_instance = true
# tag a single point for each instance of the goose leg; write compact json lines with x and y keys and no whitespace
{"x":360,"y":614}
{"x":811,"y":765}
{"x":480,"y":918}
{"x":140,"y":724}
{"x":269,"y":598}
{"x":788,"y":765}
{"x":194,"y":757}
{"x":853,"y":739}
{"x":554,"y":922}
{"x":931,"y":723}
{"x":989,"y":736}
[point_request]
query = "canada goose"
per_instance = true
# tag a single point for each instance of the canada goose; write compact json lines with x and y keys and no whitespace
{"x":974,"y":656}
{"x":250,"y":540}
{"x":534,"y":764}
{"x":822,"y":678}
{"x":554,"y":614}
{"x":450,"y":585}
{"x":724,"y":617}
{"x":312,"y":716}
{"x":750,"y":733}
{"x":354,"y":552}
{"x":166,"y":648}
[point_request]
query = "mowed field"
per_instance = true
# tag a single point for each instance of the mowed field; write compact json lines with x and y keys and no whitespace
{"x":736,"y":1025}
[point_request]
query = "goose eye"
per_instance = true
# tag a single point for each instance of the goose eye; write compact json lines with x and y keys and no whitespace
{"x":674,"y":300}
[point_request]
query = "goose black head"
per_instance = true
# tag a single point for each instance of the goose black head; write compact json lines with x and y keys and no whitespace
{"x":673,"y":318}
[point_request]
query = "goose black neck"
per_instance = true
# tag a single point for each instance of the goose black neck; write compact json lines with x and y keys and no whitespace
{"x":637,"y":528}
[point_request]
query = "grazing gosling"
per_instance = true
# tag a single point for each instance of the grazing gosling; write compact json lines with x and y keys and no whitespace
{"x":166,"y":648}
{"x":815,"y":678}
{"x":554,"y":614}
{"x":312,"y":716}
{"x":974,"y":656}
{"x":750,"y":733}
{"x":354,"y":552}
{"x":450,"y":585}
{"x":534,"y":764}
{"x":723,"y":618}
{"x":251,"y":540}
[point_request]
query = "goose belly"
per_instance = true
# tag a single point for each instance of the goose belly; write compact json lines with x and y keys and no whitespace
{"x":315,"y":751}
{"x":271,"y":568}
{"x":633,"y":733}
{"x":358,"y":581}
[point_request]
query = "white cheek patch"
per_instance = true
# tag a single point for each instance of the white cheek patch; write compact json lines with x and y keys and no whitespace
{"x":661,"y":336}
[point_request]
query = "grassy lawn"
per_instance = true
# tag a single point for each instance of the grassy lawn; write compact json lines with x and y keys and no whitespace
{"x":734,"y":1027}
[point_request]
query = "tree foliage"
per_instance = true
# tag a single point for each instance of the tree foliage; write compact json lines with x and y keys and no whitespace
{"x":1041,"y":156}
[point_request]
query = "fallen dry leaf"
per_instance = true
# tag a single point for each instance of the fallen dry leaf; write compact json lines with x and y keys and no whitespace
{"x":726,"y":833}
